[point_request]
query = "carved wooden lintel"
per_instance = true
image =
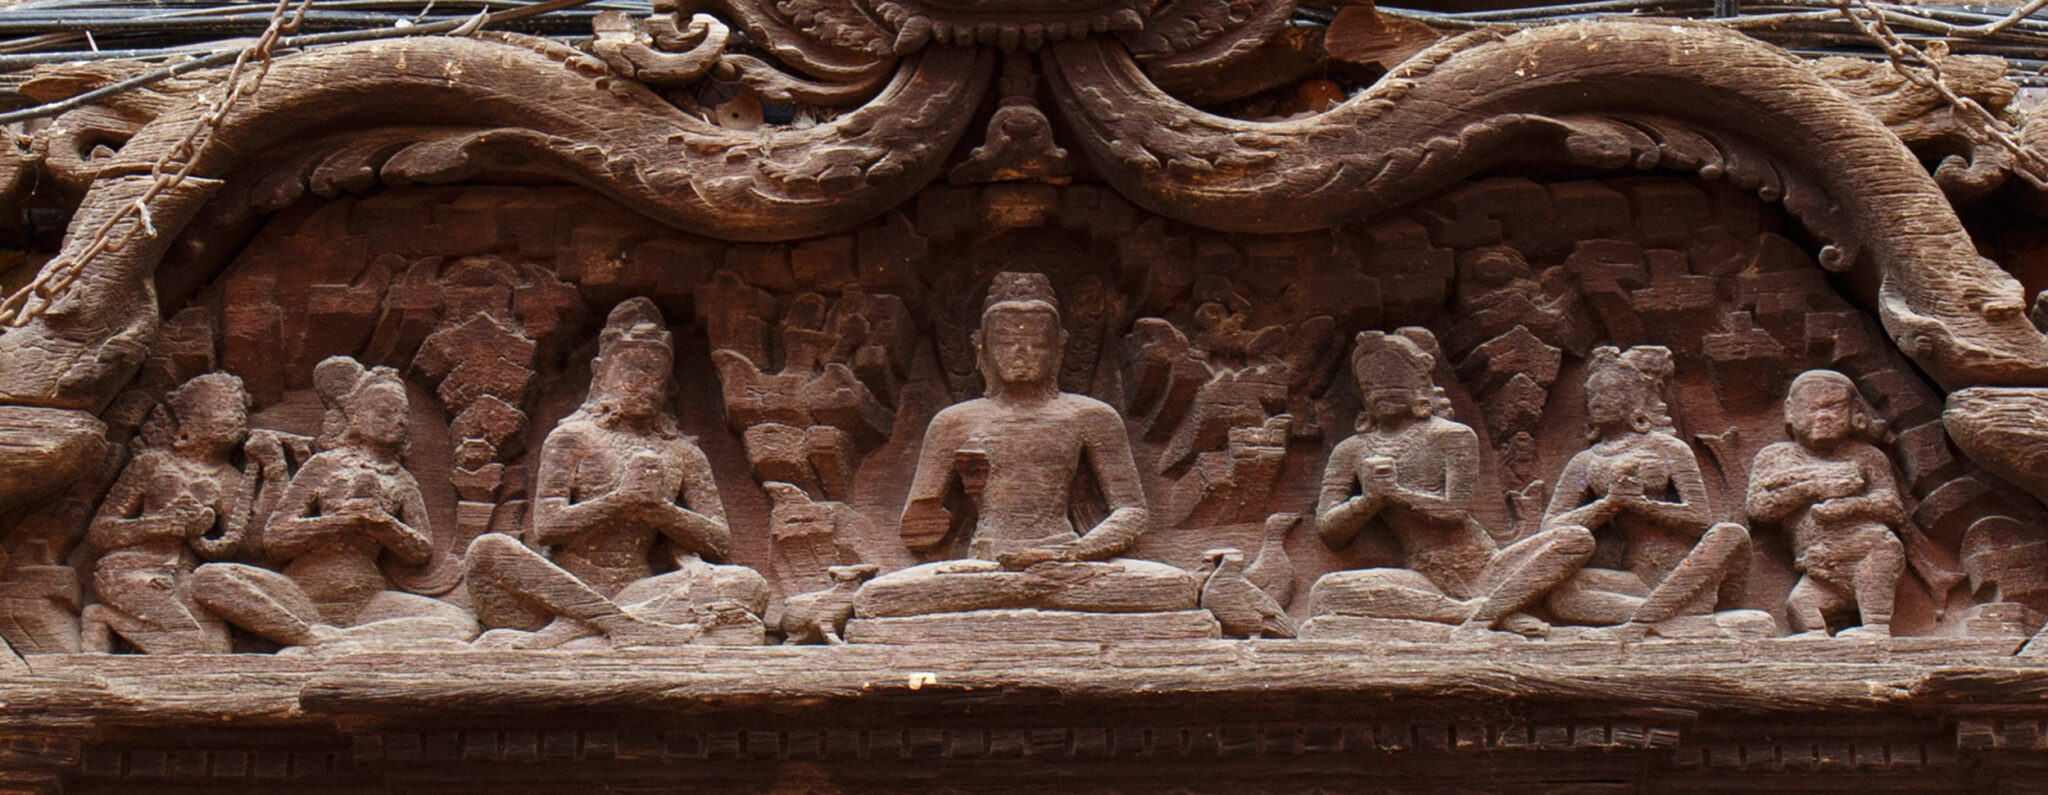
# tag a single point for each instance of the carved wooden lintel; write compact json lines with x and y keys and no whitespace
{"x":409,"y":433}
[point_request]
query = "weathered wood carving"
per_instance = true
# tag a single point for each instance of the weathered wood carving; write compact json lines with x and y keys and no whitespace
{"x":1629,"y":344}
{"x":1834,"y":494}
{"x":180,"y":501}
{"x":1016,"y":456}
{"x":616,"y":480}
{"x":350,"y":512}
{"x":1415,"y":470}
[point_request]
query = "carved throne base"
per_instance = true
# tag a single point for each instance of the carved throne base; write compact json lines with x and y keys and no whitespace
{"x":1595,"y":644}
{"x":1343,"y":627}
{"x":1035,"y":625}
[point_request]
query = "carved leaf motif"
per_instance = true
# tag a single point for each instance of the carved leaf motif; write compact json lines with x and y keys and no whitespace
{"x":839,"y":23}
{"x":1187,"y":37}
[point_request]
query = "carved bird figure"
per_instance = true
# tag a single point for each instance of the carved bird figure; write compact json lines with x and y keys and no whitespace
{"x":1241,"y":607}
{"x":820,"y":616}
{"x":1272,"y":570}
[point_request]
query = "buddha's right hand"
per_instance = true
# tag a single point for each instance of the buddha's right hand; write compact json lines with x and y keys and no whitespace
{"x":925,"y":524}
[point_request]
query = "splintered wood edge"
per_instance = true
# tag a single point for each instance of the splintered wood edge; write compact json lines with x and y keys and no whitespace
{"x":791,"y":682}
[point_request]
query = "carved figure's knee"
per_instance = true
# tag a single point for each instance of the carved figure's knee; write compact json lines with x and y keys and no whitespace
{"x":218,"y":579}
{"x":743,"y":585}
{"x":492,"y":550}
{"x":1725,"y":537}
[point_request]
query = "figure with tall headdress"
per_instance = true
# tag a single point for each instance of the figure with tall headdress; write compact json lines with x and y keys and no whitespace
{"x":1001,"y":471}
{"x":619,"y":486}
{"x":1662,"y":565}
{"x":1833,"y":492}
{"x":1414,"y":469}
{"x":348,"y":511}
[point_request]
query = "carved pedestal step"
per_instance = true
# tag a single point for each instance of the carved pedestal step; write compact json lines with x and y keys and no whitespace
{"x":1035,"y":625}
{"x":1341,"y":627}
{"x":1595,"y":645}
{"x":2000,"y":620}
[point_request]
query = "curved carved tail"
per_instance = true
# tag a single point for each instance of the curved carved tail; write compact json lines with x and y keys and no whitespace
{"x":1608,"y":94}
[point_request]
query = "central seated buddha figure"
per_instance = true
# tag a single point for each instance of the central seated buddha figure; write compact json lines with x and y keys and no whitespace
{"x":1005,"y":465}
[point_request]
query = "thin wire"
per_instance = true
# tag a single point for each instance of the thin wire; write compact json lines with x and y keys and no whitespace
{"x":169,"y":170}
{"x":219,"y":57}
{"x":2031,"y":164}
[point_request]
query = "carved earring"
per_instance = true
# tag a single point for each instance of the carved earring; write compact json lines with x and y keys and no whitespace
{"x":1641,"y":422}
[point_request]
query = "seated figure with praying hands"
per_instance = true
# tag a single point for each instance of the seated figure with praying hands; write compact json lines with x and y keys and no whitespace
{"x":1002,"y":469}
{"x":346,"y":517}
{"x":1413,"y":471}
{"x":617,"y":481}
{"x":1661,"y":566}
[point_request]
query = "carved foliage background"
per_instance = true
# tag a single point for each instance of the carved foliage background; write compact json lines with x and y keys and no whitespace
{"x":1519,"y":278}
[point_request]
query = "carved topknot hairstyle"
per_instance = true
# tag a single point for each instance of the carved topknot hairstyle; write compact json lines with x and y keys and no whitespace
{"x":1643,"y":369}
{"x":1026,"y":289}
{"x":635,"y":322}
{"x":341,"y":380}
{"x":1868,"y":426}
{"x":168,"y":419}
{"x":1405,"y":358}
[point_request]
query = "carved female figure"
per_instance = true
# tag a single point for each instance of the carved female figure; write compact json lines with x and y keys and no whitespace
{"x":181,"y":500}
{"x":348,"y":507}
{"x":1415,"y":470}
{"x":1833,"y":492}
{"x":1663,"y":565}
{"x":616,"y":477}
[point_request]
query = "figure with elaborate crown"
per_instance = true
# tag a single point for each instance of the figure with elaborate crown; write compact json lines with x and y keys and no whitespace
{"x":1415,"y":470}
{"x":352,"y":506}
{"x":615,"y":479}
{"x":1003,"y":470}
{"x":1663,"y":566}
